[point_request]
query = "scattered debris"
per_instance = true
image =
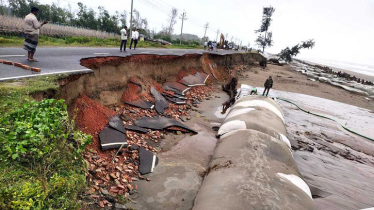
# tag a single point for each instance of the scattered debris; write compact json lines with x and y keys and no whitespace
{"x":160,"y":102}
{"x":135,"y":128}
{"x":116,"y":123}
{"x":111,"y":139}
{"x":132,"y":94}
{"x":194,"y":80}
{"x":148,"y":161}
{"x":176,"y":87}
{"x":161,"y":123}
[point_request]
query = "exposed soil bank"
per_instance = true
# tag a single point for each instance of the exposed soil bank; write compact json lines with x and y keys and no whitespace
{"x":109,"y":79}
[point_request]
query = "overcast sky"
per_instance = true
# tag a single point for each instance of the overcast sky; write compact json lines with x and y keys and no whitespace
{"x":343,"y":29}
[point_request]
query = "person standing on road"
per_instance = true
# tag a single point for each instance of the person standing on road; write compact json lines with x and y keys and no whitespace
{"x":268,"y":84}
{"x":123,"y":39}
{"x":32,"y":27}
{"x":134,"y":38}
{"x":205,"y":45}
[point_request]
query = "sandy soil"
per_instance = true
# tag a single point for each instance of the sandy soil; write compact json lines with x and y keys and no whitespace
{"x":287,"y":80}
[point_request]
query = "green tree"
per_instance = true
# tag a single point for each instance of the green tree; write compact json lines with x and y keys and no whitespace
{"x":86,"y":17}
{"x":265,"y":38}
{"x":287,"y":53}
{"x":19,"y":8}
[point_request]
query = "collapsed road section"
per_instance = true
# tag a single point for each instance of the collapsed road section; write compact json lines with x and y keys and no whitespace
{"x":131,"y":105}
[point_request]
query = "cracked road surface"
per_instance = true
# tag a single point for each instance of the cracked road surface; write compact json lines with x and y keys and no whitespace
{"x":55,"y":60}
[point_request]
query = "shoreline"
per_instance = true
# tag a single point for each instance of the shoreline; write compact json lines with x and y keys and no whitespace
{"x":335,"y":69}
{"x":286,"y":79}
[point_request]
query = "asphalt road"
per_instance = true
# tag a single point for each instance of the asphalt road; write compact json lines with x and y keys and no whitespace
{"x":56,"y":60}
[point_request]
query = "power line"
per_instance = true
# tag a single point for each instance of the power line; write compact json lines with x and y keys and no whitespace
{"x":183,"y":17}
{"x":206,"y":27}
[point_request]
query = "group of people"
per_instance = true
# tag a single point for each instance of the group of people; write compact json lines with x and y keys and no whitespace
{"x":210,"y":46}
{"x":134,"y":38}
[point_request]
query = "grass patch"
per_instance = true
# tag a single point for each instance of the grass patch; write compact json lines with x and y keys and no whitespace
{"x":14,"y":94}
{"x":14,"y":41}
{"x":41,"y":157}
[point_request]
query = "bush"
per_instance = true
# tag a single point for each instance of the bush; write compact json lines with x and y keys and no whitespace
{"x":41,"y":158}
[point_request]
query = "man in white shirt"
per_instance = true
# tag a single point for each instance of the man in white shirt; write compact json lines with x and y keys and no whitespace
{"x":123,"y":39}
{"x":134,"y":38}
{"x":32,"y":27}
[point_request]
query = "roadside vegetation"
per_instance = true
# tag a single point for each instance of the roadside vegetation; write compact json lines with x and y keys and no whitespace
{"x":15,"y":41}
{"x":41,"y":157}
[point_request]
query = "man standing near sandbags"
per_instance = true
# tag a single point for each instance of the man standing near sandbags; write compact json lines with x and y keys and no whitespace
{"x":268,"y":84}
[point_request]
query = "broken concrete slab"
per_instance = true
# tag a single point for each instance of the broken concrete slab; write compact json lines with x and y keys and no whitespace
{"x":111,"y":139}
{"x":135,"y":128}
{"x":160,"y":102}
{"x":175,"y":95}
{"x":131,"y":95}
{"x":148,"y":161}
{"x":175,"y":100}
{"x":116,"y":123}
{"x":176,"y":87}
{"x":194,"y":80}
{"x":161,"y":123}
{"x":141,"y":104}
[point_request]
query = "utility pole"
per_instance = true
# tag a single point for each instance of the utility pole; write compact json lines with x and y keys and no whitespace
{"x":183,"y":17}
{"x":217,"y":36}
{"x":206,"y":27}
{"x":132,"y":3}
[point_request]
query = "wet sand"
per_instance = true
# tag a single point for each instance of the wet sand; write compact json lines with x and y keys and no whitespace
{"x":291,"y":81}
{"x":337,"y":165}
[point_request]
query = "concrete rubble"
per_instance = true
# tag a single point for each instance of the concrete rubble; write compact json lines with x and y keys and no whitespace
{"x":135,"y":127}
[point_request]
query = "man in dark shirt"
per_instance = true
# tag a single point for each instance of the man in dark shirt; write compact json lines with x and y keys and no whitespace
{"x":268,"y":84}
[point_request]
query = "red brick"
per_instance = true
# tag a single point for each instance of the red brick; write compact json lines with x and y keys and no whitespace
{"x":8,"y":62}
{"x":35,"y":69}
{"x":26,"y":67}
{"x":17,"y":64}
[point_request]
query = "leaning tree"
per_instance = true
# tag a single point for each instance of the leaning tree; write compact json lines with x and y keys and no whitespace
{"x":287,"y":53}
{"x":265,"y":38}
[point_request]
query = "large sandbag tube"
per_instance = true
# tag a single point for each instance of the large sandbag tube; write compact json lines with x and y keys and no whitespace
{"x":252,"y":166}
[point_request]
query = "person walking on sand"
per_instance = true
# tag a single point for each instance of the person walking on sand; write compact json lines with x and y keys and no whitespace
{"x":268,"y":84}
{"x":123,"y":39}
{"x":134,"y":38}
{"x":32,"y":27}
